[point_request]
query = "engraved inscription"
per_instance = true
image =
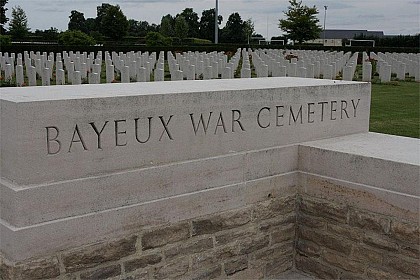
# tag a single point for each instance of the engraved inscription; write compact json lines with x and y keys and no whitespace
{"x":123,"y":132}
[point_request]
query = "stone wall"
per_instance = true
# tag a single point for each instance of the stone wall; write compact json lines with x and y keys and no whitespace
{"x":251,"y":242}
{"x":339,"y":241}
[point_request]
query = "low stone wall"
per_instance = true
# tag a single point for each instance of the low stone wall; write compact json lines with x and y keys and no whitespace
{"x":340,"y":241}
{"x":253,"y":242}
{"x":245,"y":180}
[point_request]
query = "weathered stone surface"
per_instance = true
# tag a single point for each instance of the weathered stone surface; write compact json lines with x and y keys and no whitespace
{"x":142,"y":262}
{"x":345,"y":231}
{"x":323,"y":209}
{"x":314,"y":267}
{"x":369,"y":221}
{"x":380,"y":241}
{"x":250,"y":245}
{"x":327,"y":240}
{"x":162,"y":236}
{"x":379,"y":273}
{"x":410,"y":250}
{"x":283,"y":234}
{"x":352,"y":276}
{"x":233,"y":236}
{"x":190,"y":247}
{"x":311,"y":221}
{"x":102,"y":273}
{"x":308,"y":248}
{"x":278,"y":251}
{"x":274,"y":207}
{"x":232,"y":267}
{"x":94,"y":255}
{"x":363,"y":253}
{"x":212,"y":258}
{"x":207,"y":273}
{"x":175,"y":269}
{"x":141,"y":274}
{"x":36,"y":269}
{"x":220,"y":222}
{"x":333,"y":258}
{"x":6,"y":270}
{"x":282,"y":220}
{"x":277,"y":266}
{"x":403,"y":265}
{"x":406,"y":232}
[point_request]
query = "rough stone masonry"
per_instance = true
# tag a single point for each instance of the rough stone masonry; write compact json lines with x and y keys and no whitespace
{"x":240,"y":179}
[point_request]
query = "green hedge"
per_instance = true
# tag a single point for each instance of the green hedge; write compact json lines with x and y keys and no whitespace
{"x":20,"y":48}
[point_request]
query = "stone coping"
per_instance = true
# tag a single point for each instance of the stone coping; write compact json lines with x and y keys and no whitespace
{"x":45,"y":93}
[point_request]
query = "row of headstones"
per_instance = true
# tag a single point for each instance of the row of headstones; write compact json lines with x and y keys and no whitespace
{"x":401,"y":64}
{"x":200,"y":65}
{"x":304,"y":64}
{"x":77,"y":65}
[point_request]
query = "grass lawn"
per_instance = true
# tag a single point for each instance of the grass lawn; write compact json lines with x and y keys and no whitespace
{"x":395,"y":109}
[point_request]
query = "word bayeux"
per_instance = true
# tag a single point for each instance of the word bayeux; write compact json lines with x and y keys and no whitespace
{"x":116,"y":133}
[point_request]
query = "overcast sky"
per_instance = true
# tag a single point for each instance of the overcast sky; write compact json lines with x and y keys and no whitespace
{"x":391,"y":16}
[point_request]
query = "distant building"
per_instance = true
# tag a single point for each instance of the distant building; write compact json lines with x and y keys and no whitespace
{"x":335,"y":37}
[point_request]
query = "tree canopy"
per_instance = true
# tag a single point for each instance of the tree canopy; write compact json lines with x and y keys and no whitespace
{"x":301,"y":23}
{"x":207,"y":24}
{"x":191,"y":19}
{"x":77,"y":21}
{"x":19,"y":23}
{"x":111,"y":21}
{"x":3,"y":18}
{"x":181,"y":27}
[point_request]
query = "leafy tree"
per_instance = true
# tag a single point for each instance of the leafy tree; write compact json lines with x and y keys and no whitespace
{"x":77,"y":21}
{"x":3,"y":18}
{"x":75,"y":38}
{"x":19,"y":23}
{"x":207,"y":24}
{"x":47,"y":34}
{"x":249,"y":29}
{"x":181,"y":28}
{"x":191,"y":18}
{"x":155,"y":39}
{"x":167,"y":26}
{"x":234,"y":31}
{"x":111,"y":21}
{"x":301,"y":23}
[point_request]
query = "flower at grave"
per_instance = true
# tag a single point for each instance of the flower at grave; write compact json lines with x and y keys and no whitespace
{"x":114,"y":81}
{"x":1,"y":78}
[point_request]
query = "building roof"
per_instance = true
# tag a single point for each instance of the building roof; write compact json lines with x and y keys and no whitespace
{"x":349,"y":34}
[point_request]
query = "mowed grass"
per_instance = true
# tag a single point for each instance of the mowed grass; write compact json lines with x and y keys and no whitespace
{"x":395,"y":109}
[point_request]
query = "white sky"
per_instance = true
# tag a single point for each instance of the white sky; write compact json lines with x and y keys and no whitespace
{"x":391,"y":16}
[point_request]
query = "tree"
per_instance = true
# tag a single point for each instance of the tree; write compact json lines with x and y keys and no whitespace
{"x":207,"y":24}
{"x":111,"y":21}
{"x":301,"y":23}
{"x":75,"y":38}
{"x":249,"y":29}
{"x":3,"y":18}
{"x":234,"y":31}
{"x":19,"y":23}
{"x":167,"y":26}
{"x":77,"y":21}
{"x":47,"y":34}
{"x":191,"y":18}
{"x":181,"y":27}
{"x":155,"y":39}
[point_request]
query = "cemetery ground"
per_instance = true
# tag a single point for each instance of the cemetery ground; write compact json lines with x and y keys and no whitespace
{"x":395,"y":108}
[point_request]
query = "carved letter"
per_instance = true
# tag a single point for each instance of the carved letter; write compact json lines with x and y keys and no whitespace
{"x":279,"y":116}
{"x":205,"y":126}
{"x":220,"y":122}
{"x":165,"y":126}
{"x":292,"y":115}
{"x":49,"y":140}
{"x":355,"y":106}
{"x":236,"y":120}
{"x":258,"y":117}
{"x":333,"y":110}
{"x":76,"y":131}
{"x":310,"y":112}
{"x":137,"y":130}
{"x":118,"y":132}
{"x":322,"y":110}
{"x":344,"y":108}
{"x":98,"y":133}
